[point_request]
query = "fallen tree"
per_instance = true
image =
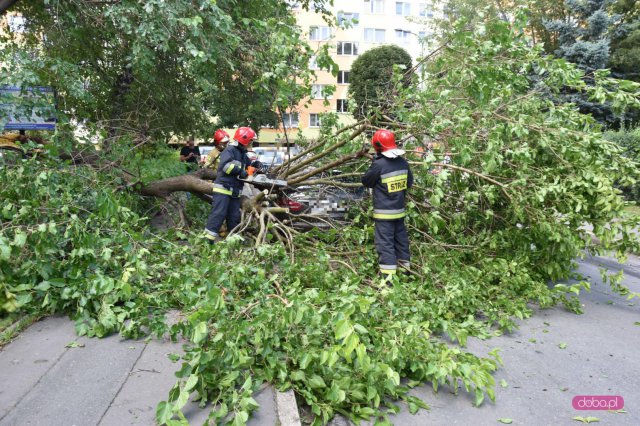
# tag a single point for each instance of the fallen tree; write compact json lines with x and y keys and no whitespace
{"x":489,"y":229}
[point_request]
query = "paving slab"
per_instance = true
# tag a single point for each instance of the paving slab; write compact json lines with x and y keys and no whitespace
{"x":29,"y":357}
{"x":148,"y":383}
{"x":106,"y":382}
{"x":79,"y":388}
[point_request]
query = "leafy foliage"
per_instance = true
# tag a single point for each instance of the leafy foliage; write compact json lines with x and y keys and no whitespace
{"x":371,"y":75}
{"x":488,"y":233}
{"x":160,"y":67}
{"x":629,"y":141}
{"x":625,"y":43}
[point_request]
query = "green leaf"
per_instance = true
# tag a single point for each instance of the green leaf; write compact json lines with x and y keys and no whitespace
{"x":562,"y":345}
{"x":200,"y":332}
{"x":479,"y":397}
{"x":74,"y":344}
{"x":164,"y":412}
{"x":191,"y":382}
{"x":586,"y":419}
{"x":343,"y":329}
{"x":316,"y":382}
{"x":182,"y":399}
{"x":19,"y":239}
{"x":503,"y":383}
{"x":506,"y":420}
{"x":240,"y":418}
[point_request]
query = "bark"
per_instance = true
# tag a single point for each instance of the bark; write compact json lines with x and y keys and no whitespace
{"x":185,"y":183}
{"x":6,"y":4}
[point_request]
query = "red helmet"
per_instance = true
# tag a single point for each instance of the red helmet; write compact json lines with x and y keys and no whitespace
{"x":383,"y":140}
{"x":244,"y":135}
{"x":220,"y":136}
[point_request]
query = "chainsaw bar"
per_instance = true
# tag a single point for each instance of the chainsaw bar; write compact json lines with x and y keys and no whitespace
{"x":263,"y":182}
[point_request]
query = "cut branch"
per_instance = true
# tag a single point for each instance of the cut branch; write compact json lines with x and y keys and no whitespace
{"x":324,"y":153}
{"x":340,"y":161}
{"x":313,"y":147}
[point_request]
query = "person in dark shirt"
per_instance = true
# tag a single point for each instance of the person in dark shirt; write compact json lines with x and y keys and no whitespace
{"x":190,"y":154}
{"x":390,"y":177}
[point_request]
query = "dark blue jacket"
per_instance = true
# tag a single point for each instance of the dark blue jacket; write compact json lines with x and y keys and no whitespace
{"x":233,"y":163}
{"x":390,"y":178}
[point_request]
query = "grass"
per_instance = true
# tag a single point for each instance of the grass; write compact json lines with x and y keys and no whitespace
{"x":12,"y":325}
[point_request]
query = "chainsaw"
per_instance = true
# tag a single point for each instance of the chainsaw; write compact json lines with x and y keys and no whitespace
{"x":263,"y":182}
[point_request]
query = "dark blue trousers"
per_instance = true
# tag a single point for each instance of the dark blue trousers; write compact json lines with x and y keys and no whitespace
{"x":392,"y":244}
{"x":224,"y":207}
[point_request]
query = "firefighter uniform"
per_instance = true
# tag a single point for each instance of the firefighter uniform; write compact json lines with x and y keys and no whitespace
{"x":227,"y":188}
{"x":390,"y":178}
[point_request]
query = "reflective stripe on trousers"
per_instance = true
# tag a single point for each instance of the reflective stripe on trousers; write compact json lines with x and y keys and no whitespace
{"x":388,"y":214}
{"x":392,"y":244}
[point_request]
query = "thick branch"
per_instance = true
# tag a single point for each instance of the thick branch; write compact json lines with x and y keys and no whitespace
{"x":324,"y":153}
{"x":302,"y":177}
{"x":164,"y":187}
{"x":315,"y":146}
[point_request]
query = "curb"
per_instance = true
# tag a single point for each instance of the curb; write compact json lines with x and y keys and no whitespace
{"x":287,"y":408}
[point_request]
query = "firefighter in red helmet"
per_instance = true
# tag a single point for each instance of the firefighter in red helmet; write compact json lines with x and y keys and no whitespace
{"x":220,"y":140}
{"x":390,"y":177}
{"x":227,"y":187}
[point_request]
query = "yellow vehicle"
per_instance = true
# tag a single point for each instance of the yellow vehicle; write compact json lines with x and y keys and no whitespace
{"x":9,"y":148}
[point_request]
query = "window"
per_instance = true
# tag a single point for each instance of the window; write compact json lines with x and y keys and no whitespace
{"x":319,"y":33}
{"x":290,"y":119}
{"x":373,"y":35}
{"x":343,"y":77}
{"x":314,"y":120}
{"x":376,"y":6}
{"x":341,"y":105}
{"x":403,"y":8}
{"x":425,"y":10}
{"x":313,"y":63}
{"x":348,"y":19}
{"x":347,"y":48}
{"x":403,"y":36}
{"x":318,"y":91}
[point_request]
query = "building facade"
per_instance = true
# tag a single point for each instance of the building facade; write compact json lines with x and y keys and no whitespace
{"x":360,"y":26}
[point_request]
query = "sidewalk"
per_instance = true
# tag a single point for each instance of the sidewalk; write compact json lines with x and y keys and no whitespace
{"x":106,"y":382}
{"x":601,"y":357}
{"x":115,"y":382}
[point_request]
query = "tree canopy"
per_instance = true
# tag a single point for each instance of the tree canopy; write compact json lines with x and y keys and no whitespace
{"x":531,"y":185}
{"x":161,"y":67}
{"x":372,"y":76}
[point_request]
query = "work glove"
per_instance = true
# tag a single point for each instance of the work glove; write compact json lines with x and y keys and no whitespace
{"x":243,"y":174}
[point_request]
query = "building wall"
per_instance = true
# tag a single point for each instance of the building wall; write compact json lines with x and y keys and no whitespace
{"x":373,"y":14}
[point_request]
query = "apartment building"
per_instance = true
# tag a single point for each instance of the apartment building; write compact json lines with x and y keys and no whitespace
{"x":363,"y":24}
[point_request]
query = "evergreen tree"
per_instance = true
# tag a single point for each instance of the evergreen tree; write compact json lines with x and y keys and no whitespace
{"x":625,"y":41}
{"x":583,"y":38}
{"x":583,"y":35}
